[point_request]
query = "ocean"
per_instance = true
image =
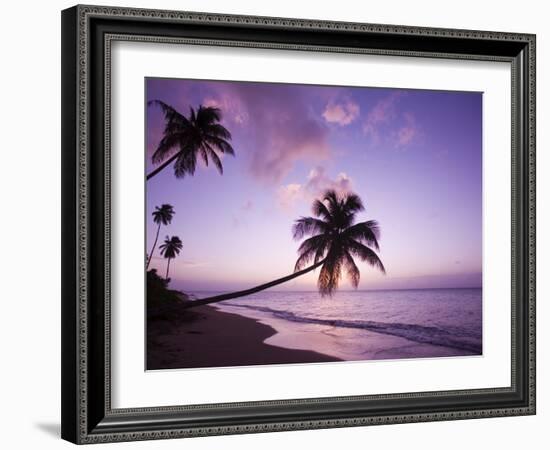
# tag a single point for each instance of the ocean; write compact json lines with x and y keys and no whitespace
{"x":361,"y":325}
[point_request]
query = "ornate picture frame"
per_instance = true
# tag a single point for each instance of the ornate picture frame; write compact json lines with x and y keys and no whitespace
{"x":88,"y":33}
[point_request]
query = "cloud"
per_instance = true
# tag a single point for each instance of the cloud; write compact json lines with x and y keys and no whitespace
{"x":232,"y":109}
{"x":341,"y":113}
{"x":380,"y":114}
{"x":280,"y":131}
{"x":192,"y":264}
{"x":316,"y":184}
{"x":182,"y":262}
{"x":406,"y":134}
{"x":288,"y":195}
{"x":384,"y":123}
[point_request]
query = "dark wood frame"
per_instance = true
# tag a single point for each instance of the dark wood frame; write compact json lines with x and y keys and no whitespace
{"x":87,"y":32}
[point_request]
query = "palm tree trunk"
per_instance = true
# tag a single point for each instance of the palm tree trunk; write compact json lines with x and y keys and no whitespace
{"x":261,"y":287}
{"x":162,"y":166}
{"x":168,"y":267}
{"x":153,"y":249}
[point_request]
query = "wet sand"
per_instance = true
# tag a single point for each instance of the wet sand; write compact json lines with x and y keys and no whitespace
{"x":342,"y":343}
{"x":207,"y":337}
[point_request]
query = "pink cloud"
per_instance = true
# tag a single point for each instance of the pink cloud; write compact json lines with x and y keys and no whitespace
{"x":233,"y":110}
{"x":341,"y":113}
{"x":385,"y":115}
{"x":316,"y":184}
{"x":380,"y":114}
{"x":288,"y":195}
{"x":181,"y":262}
{"x":407,"y":133}
{"x":280,"y":127}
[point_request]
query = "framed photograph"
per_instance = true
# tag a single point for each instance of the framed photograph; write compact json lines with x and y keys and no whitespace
{"x":281,"y":224}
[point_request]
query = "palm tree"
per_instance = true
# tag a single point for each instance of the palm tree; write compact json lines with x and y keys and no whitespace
{"x":335,"y":240}
{"x":162,"y":216}
{"x":185,"y":139}
{"x":170,"y":249}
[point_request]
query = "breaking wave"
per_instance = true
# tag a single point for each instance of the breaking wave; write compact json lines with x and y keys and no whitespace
{"x":458,"y":338}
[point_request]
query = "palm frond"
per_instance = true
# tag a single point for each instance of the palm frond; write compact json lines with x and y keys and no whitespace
{"x":332,"y":199}
{"x":214,"y":157}
{"x":167,"y":146}
{"x":164,"y":245}
{"x":314,"y":249}
{"x":186,"y":163}
{"x":217,"y":130}
{"x":330,"y":274}
{"x":204,"y":155}
{"x":306,"y":226}
{"x":352,"y":203}
{"x":221,"y":144}
{"x":365,"y":232}
{"x":171,"y":114}
{"x":207,"y":115}
{"x":319,"y":209}
{"x":192,"y":115}
{"x":351,"y":269}
{"x":335,"y":205}
{"x":365,"y":254}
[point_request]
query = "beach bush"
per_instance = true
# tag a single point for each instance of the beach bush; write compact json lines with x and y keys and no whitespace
{"x":158,"y":292}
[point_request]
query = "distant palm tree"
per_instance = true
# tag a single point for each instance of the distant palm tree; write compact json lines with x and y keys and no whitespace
{"x":185,"y":139}
{"x":335,"y":240}
{"x":170,"y":249}
{"x":161,"y":216}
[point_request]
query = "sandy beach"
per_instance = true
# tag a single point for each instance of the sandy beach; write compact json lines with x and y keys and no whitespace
{"x":206,"y":337}
{"x":343,"y":343}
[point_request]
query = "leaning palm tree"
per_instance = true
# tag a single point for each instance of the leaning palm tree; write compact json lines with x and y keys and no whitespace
{"x":335,"y":240}
{"x":170,"y":249}
{"x":161,"y":216}
{"x":186,"y":139}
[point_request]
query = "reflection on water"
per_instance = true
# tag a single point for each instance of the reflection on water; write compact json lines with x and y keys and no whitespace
{"x":370,"y":324}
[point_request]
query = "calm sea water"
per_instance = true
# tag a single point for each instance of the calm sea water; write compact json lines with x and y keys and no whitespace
{"x":450,"y":318}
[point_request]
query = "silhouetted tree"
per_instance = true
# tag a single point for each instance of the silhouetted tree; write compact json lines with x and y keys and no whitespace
{"x":335,"y":240}
{"x":162,"y":216}
{"x":185,"y":139}
{"x":170,"y":249}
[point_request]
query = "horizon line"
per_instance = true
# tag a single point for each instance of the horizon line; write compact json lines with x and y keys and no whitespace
{"x":358,"y":290}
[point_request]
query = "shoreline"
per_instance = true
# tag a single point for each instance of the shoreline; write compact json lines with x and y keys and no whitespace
{"x":204,"y":337}
{"x":221,"y":336}
{"x":341,"y":342}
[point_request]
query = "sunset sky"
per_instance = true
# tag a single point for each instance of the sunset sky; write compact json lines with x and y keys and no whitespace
{"x":413,"y":156}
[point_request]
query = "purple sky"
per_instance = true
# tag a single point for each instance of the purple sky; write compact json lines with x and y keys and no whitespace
{"x":413,"y":156}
